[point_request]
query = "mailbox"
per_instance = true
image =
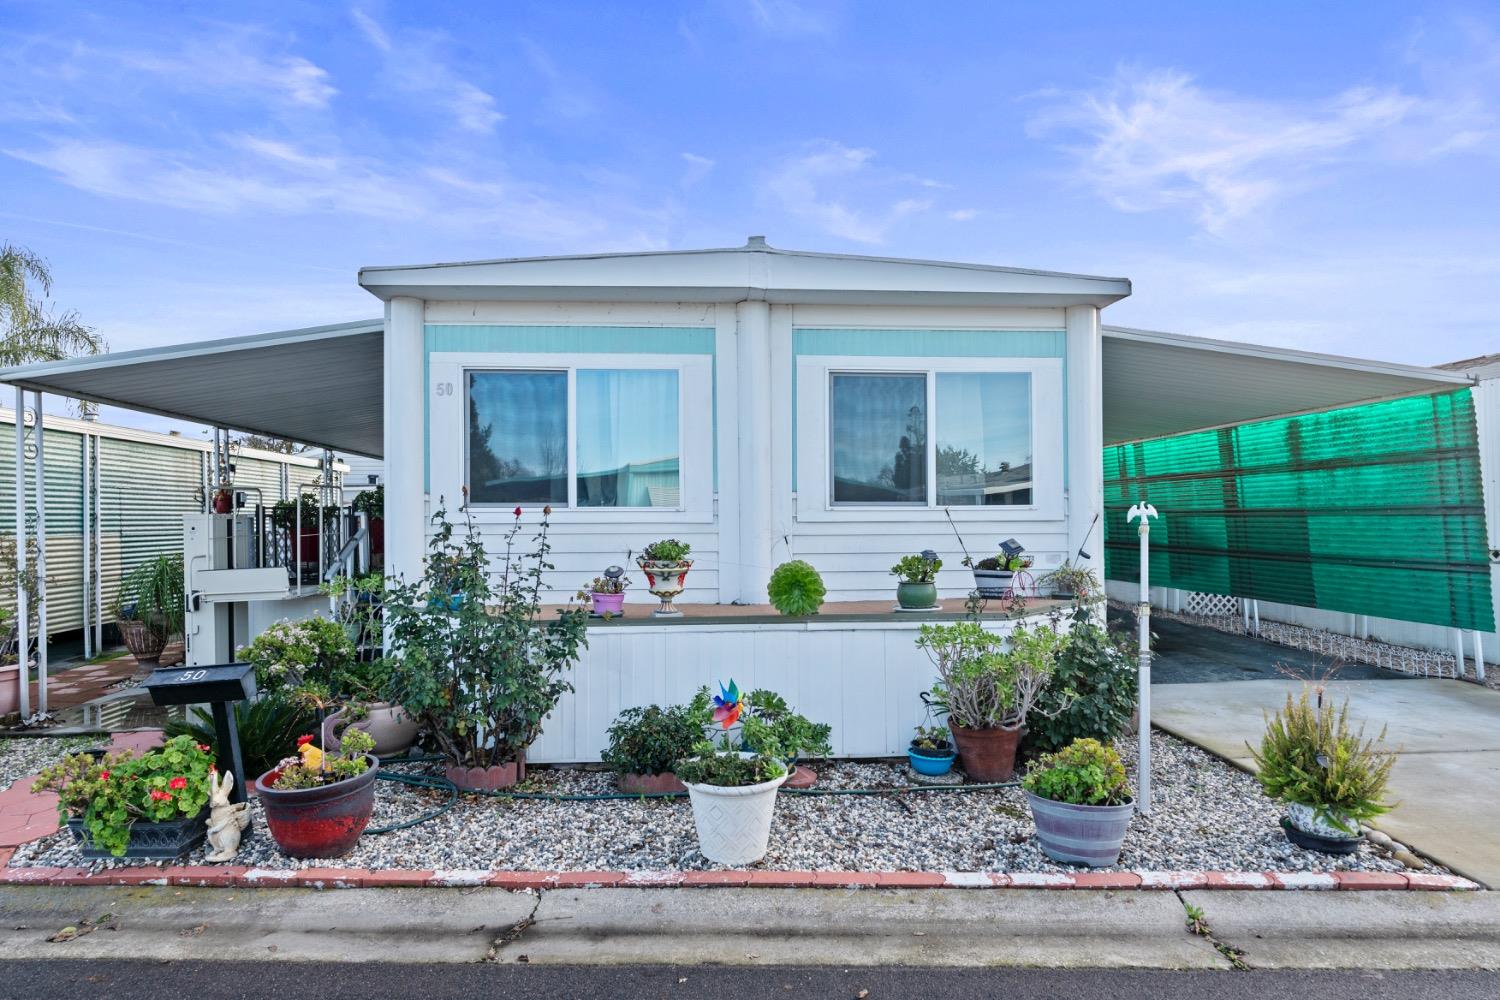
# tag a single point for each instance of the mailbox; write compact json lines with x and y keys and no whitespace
{"x":220,"y":686}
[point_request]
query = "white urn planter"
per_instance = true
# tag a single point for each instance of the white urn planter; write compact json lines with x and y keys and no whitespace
{"x":734,"y":822}
{"x":665,"y":580}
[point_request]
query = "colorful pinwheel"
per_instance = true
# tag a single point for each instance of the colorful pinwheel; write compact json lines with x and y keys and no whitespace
{"x":727,"y":705}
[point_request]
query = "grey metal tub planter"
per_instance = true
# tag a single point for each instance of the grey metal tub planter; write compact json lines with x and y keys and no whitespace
{"x":1080,"y":835}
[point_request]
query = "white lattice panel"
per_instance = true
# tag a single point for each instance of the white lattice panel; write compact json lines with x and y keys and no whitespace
{"x":1212,"y":605}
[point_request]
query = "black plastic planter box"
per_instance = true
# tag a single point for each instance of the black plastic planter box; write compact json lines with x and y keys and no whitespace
{"x":159,"y":841}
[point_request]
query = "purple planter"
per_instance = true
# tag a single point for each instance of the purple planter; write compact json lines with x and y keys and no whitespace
{"x":608,"y":604}
{"x":1080,"y":835}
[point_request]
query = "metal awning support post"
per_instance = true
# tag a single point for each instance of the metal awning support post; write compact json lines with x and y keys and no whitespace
{"x":87,"y":561}
{"x":1144,"y":512}
{"x":1479,"y":656}
{"x":23,"y":598}
{"x":41,"y":560}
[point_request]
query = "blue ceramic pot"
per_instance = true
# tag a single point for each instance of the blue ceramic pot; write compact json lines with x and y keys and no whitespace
{"x":923,"y":764}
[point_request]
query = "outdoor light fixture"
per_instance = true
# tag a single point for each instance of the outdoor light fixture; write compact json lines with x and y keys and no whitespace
{"x":614,"y":573}
{"x":1012,"y":548}
{"x":929,"y":555}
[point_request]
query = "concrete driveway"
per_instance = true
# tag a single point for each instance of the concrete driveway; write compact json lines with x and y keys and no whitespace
{"x":1446,"y":782}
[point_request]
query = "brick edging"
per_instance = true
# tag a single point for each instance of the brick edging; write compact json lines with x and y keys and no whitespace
{"x":239,"y":876}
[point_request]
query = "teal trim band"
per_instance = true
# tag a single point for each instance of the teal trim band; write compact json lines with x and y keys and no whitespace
{"x":824,"y":342}
{"x":443,"y":338}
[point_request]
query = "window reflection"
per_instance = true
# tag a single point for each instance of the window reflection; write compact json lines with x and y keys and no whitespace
{"x":983,"y":438}
{"x":878,"y":431}
{"x":627,"y":439}
{"x":518,"y":437}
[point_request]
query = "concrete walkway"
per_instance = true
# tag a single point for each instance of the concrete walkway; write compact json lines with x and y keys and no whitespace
{"x":1446,"y":782}
{"x":759,"y":927}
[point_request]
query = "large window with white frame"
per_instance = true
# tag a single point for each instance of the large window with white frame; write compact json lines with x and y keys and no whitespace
{"x":966,"y":434}
{"x":574,"y":437}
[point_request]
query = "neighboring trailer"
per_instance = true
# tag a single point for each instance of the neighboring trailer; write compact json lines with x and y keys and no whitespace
{"x":139,"y":484}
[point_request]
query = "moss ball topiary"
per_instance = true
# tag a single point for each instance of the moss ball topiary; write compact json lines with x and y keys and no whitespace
{"x":796,"y":588}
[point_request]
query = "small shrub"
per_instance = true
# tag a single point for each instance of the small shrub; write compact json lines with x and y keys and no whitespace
{"x":668,"y":550}
{"x":728,"y":770}
{"x":371,"y":502}
{"x":1310,"y":756}
{"x":796,"y":588}
{"x":1091,"y":693}
{"x":289,"y":654}
{"x":917,"y":569}
{"x":770,"y":726}
{"x":981,"y":685}
{"x":1083,"y":773}
{"x":650,"y":740}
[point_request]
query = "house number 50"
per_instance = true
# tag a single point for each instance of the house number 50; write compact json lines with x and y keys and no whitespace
{"x":445,"y":388}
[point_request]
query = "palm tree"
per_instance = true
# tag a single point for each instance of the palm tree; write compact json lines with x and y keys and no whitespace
{"x":29,"y":329}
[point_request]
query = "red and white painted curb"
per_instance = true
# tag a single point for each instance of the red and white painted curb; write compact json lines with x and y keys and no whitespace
{"x":239,"y":876}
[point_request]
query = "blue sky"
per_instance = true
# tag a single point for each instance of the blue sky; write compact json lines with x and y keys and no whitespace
{"x":1315,"y":175}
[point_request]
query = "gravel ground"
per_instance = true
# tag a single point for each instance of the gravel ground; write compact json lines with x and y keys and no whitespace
{"x":23,"y":756}
{"x":1207,"y":815}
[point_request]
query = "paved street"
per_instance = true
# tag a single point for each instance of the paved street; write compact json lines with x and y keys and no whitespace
{"x":125,"y":980}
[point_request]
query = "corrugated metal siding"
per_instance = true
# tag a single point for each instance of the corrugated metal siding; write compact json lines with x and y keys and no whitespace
{"x":144,"y":489}
{"x":1374,"y":509}
{"x":63,"y":453}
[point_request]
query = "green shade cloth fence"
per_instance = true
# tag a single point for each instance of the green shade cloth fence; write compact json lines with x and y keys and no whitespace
{"x":1374,"y":509}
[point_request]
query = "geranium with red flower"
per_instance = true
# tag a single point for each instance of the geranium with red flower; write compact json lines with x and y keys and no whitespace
{"x":127,"y":789}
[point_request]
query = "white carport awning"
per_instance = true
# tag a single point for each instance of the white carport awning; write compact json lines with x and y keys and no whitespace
{"x":1165,"y":383}
{"x":322,"y":385}
{"x":325,"y":385}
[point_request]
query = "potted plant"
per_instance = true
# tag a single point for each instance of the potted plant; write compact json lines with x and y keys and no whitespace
{"x":666,"y":566}
{"x":644,"y":744}
{"x":148,"y":608}
{"x":606,"y":593}
{"x":1331,"y":778}
{"x":1076,"y":583}
{"x":318,"y":802}
{"x":148,"y":805}
{"x":917,"y":589}
{"x":371,"y":503}
{"x":770,"y":726}
{"x":1091,"y":692}
{"x":366,"y":708}
{"x":1080,"y":803}
{"x":734,"y":797}
{"x":931,"y":752}
{"x":10,"y":671}
{"x":223,"y":501}
{"x":474,"y":661}
{"x":303,"y":544}
{"x":796,"y":589}
{"x":995,"y":576}
{"x":986,"y":690}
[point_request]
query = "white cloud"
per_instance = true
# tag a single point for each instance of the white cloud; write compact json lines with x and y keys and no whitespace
{"x":228,"y":61}
{"x":789,"y":17}
{"x":698,"y":167}
{"x":419,"y":68}
{"x":962,"y":215}
{"x":1156,"y":139}
{"x":816,"y":186}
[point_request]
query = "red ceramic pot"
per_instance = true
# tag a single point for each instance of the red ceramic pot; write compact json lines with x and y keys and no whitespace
{"x":223,"y":502}
{"x":649,"y":784}
{"x":987,"y":755}
{"x":377,"y":536}
{"x":322,"y":822}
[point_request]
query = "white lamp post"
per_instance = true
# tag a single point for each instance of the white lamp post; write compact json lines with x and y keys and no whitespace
{"x":1144,"y":512}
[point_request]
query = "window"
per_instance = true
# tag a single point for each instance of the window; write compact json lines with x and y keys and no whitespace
{"x":983,"y":438}
{"x":880,"y":425}
{"x":616,"y":444}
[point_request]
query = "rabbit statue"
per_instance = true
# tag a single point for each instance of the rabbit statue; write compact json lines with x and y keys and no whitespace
{"x":226,"y":820}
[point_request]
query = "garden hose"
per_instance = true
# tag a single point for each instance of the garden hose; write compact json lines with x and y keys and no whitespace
{"x":438,"y":783}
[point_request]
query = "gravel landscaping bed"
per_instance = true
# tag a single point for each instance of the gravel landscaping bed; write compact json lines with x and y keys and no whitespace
{"x":23,"y":756}
{"x":1207,"y":815}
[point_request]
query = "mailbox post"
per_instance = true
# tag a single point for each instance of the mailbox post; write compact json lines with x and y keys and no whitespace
{"x":220,"y":686}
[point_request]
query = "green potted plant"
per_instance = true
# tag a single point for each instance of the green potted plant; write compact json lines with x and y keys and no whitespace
{"x":645,"y":743}
{"x":768,"y":725}
{"x":987,"y":690}
{"x":796,"y":589}
{"x":1329,"y":776}
{"x":1092,"y":691}
{"x":371,"y":503}
{"x":917,"y":586}
{"x":147,"y":805}
{"x":666,"y":566}
{"x":318,"y":802}
{"x":148,"y":608}
{"x":1080,"y":802}
{"x":303,"y":544}
{"x":606,"y":594}
{"x":931,"y":752}
{"x":734,"y":798}
{"x":995,"y":576}
{"x":474,"y":661}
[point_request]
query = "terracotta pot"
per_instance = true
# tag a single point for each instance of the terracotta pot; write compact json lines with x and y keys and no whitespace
{"x":144,"y":644}
{"x":987,"y":755}
{"x":487,"y":779}
{"x":322,"y":822}
{"x":388,"y":725}
{"x":649,"y":784}
{"x":10,"y":688}
{"x":224,"y":502}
